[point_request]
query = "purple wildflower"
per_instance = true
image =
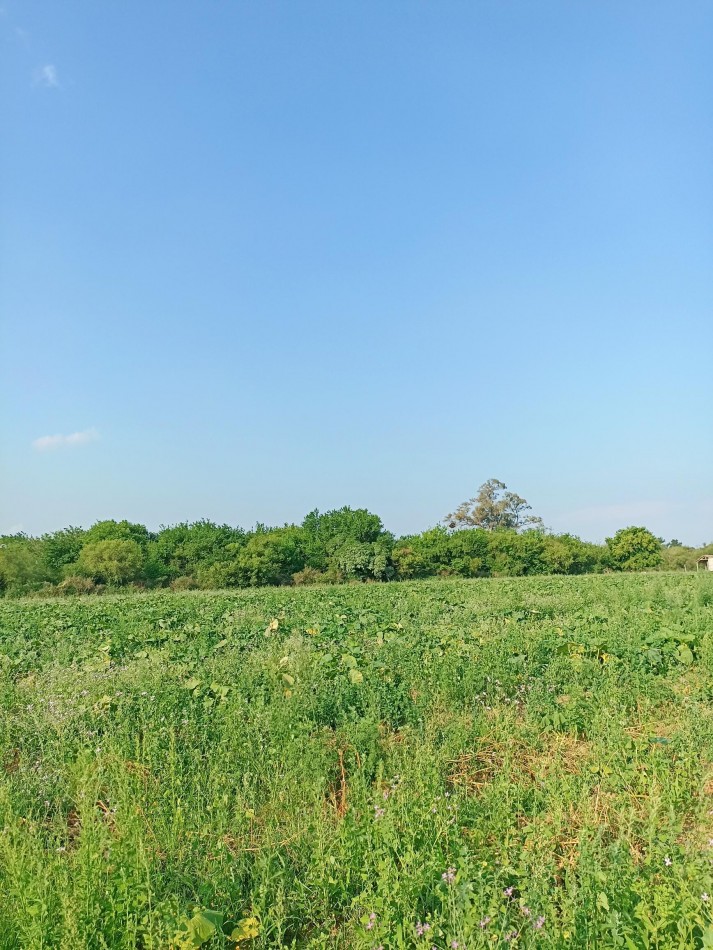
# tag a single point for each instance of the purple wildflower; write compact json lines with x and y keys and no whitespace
{"x":449,"y":876}
{"x":526,"y":911}
{"x":371,"y":922}
{"x":422,"y":929}
{"x":539,"y":923}
{"x":508,"y":891}
{"x":484,"y":922}
{"x":378,"y":812}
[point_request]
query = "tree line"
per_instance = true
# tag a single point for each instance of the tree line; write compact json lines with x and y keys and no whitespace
{"x":492,"y":534}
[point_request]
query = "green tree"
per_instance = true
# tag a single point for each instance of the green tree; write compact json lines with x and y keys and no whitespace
{"x":268,"y":557}
{"x":61,"y":548}
{"x":634,"y":549}
{"x":118,"y":531}
{"x":327,"y":533}
{"x":678,"y":557}
{"x":437,"y":552}
{"x":185,"y":550}
{"x":512,"y":554}
{"x":423,"y":555}
{"x":363,"y":560}
{"x":111,"y":562}
{"x":567,"y":554}
{"x":468,"y":553}
{"x":493,"y":509}
{"x":22,"y":566}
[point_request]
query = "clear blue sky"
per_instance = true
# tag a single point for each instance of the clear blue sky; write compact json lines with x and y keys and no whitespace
{"x":260,"y":257}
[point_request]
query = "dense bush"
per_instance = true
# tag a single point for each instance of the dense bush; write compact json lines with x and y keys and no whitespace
{"x":112,"y":562}
{"x":634,"y":549}
{"x":331,"y":547}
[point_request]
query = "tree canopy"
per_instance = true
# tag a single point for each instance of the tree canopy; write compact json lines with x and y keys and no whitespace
{"x":491,"y":534}
{"x":494,"y":508}
{"x":634,"y":549}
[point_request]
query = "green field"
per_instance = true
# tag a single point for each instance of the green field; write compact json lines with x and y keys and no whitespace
{"x":523,"y":762}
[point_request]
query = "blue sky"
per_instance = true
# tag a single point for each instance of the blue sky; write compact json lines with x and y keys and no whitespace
{"x":261,"y":257}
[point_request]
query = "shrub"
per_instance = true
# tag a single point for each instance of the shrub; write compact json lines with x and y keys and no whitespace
{"x":76,"y":584}
{"x":184,"y":583}
{"x":634,"y":549}
{"x":21,"y":566}
{"x":114,"y":562}
{"x":308,"y":575}
{"x":512,"y":554}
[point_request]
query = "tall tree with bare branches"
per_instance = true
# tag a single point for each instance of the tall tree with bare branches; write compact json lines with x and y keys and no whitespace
{"x":494,"y":508}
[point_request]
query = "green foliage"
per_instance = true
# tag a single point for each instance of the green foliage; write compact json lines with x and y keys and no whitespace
{"x":308,"y":575}
{"x":634,"y":549}
{"x":326,"y":534}
{"x":423,"y":555}
{"x":111,"y":562}
{"x":515,"y":554}
{"x":469,"y":553}
{"x":117,"y":531}
{"x":360,"y":560}
{"x":187,"y":549}
{"x":399,"y":765}
{"x":22,"y":567}
{"x":76,"y":584}
{"x":439,"y":553}
{"x":269,"y":557}
{"x":567,"y":554}
{"x":61,"y":548}
{"x":332,"y":547}
{"x":679,"y":557}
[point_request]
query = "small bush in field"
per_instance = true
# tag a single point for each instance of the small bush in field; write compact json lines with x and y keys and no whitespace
{"x":309,"y":575}
{"x":184,"y":583}
{"x":76,"y":584}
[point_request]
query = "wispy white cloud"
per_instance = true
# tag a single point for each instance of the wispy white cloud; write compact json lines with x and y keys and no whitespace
{"x":48,"y":443}
{"x":47,"y":76}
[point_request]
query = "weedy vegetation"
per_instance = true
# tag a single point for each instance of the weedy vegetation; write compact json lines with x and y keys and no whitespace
{"x":441,"y":764}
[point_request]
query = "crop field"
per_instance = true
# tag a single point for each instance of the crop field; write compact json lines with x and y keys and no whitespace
{"x":437,"y":764}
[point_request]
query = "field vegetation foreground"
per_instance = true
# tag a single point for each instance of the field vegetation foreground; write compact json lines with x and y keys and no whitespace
{"x":449,"y":764}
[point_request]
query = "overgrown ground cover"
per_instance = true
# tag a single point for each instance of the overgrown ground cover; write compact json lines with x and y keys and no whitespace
{"x":467,"y":764}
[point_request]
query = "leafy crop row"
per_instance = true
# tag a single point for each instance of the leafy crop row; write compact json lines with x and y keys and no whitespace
{"x":430,"y":764}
